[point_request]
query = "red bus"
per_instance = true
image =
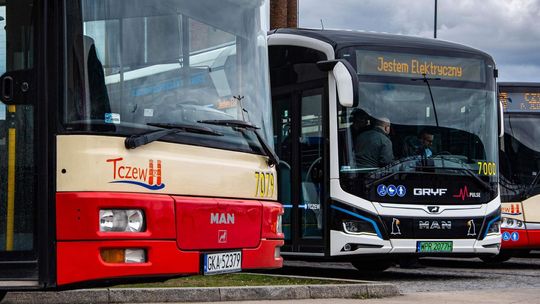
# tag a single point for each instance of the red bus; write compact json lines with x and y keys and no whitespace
{"x":134,"y":141}
{"x":520,"y":169}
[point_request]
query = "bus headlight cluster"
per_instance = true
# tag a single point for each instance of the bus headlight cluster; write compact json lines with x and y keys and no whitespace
{"x":512,"y":223}
{"x":495,"y":228}
{"x":121,"y":220}
{"x":357,"y":227}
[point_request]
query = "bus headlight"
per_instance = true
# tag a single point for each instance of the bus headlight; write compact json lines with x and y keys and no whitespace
{"x":511,"y":223}
{"x":121,"y":220}
{"x":495,"y":228}
{"x":357,"y":227}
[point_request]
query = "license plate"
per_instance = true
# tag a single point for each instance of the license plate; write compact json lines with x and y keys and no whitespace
{"x":222,"y":262}
{"x":434,"y":246}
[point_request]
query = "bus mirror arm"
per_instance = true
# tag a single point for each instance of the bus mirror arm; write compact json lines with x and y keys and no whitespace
{"x":501,"y":119}
{"x":17,"y":87}
{"x":346,"y":80}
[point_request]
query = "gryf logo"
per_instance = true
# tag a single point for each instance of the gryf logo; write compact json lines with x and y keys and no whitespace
{"x":464,"y":193}
{"x":429,"y":191}
{"x":149,"y":178}
{"x":221,"y":218}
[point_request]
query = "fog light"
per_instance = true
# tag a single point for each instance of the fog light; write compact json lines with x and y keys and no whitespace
{"x":128,"y":256}
{"x":347,"y":247}
{"x":121,"y":220}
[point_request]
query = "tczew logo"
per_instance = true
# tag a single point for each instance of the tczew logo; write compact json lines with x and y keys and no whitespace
{"x":429,"y":191}
{"x":149,"y":178}
{"x":221,"y":218}
{"x":464,"y":193}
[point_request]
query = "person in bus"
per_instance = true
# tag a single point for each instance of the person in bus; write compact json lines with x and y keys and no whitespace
{"x":360,"y":122}
{"x":373,"y":148}
{"x":420,"y":145}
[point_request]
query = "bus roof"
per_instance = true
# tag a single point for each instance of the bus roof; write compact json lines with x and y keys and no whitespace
{"x":519,"y":84}
{"x":346,"y":38}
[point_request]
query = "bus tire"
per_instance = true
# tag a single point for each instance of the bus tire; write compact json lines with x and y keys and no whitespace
{"x":372,"y":265}
{"x":502,"y":257}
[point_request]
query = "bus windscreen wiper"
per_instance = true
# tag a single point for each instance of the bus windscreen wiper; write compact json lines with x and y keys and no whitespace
{"x":272,"y":157}
{"x":135,"y":141}
{"x":426,"y":81}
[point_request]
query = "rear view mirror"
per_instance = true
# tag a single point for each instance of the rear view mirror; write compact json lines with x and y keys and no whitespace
{"x":501,"y":119}
{"x":346,"y":80}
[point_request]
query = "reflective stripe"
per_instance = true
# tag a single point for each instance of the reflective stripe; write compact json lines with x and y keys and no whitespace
{"x":10,"y":186}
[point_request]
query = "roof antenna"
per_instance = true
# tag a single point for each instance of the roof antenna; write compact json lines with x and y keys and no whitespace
{"x":322,"y":25}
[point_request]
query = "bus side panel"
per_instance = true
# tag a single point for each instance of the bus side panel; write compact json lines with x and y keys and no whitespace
{"x":78,"y":215}
{"x":81,"y":261}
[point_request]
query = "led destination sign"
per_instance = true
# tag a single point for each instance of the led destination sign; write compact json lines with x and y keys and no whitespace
{"x":415,"y":65}
{"x":520,"y":102}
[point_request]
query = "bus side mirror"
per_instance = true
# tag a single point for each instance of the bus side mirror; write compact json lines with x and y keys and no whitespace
{"x":501,"y":119}
{"x":346,"y":80}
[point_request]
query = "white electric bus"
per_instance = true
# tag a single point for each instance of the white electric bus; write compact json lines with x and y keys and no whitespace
{"x":434,"y":192}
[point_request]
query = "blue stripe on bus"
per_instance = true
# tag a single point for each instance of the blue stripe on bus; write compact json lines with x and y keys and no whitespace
{"x":489,"y":225}
{"x":360,"y":217}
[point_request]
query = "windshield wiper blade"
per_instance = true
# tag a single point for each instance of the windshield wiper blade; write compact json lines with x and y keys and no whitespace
{"x":135,"y":141}
{"x":426,"y":81}
{"x":273,"y":159}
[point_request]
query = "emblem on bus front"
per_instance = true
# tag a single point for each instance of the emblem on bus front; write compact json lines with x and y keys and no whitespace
{"x":149,"y":178}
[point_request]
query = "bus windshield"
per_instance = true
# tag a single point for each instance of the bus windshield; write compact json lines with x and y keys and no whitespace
{"x":133,"y":65}
{"x":418,"y":129}
{"x":520,"y":156}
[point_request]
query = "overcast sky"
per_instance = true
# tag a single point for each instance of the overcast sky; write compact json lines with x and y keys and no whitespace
{"x":508,"y":30}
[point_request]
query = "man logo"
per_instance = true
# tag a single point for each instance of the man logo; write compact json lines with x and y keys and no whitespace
{"x":472,"y":228}
{"x":434,"y":225}
{"x":221,"y":218}
{"x":433,"y":209}
{"x":395,"y":227}
{"x":222,"y":236}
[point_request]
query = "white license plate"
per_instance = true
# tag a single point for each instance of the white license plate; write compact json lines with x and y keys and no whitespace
{"x":222,"y":262}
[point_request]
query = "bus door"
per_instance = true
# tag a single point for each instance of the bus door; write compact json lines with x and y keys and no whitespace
{"x":299,"y":133}
{"x":18,"y":254}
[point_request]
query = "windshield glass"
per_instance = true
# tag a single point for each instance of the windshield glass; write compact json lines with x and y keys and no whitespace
{"x":133,"y":63}
{"x":520,"y":156}
{"x":420,"y":137}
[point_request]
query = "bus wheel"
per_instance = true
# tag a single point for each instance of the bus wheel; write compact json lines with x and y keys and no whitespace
{"x":502,"y":257}
{"x":372,"y":265}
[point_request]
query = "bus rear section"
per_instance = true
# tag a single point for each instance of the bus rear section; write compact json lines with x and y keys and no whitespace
{"x":390,"y":144}
{"x":141,"y":147}
{"x":520,"y":167}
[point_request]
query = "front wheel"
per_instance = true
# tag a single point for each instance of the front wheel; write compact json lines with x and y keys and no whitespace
{"x":502,"y":257}
{"x":372,"y":265}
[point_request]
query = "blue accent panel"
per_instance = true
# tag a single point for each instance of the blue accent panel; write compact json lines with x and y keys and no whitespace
{"x":287,"y":206}
{"x":489,"y":225}
{"x":149,"y":187}
{"x":360,"y":217}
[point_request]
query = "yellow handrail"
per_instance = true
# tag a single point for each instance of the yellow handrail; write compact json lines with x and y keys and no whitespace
{"x":11,"y":184}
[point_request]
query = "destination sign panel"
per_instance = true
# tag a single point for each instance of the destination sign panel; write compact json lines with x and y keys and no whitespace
{"x":520,"y":102}
{"x":415,"y":65}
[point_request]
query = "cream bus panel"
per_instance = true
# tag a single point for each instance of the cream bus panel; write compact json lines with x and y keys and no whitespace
{"x":99,"y":163}
{"x":513,"y":210}
{"x":531,"y":209}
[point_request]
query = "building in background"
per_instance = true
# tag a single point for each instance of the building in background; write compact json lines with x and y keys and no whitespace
{"x":283,"y":13}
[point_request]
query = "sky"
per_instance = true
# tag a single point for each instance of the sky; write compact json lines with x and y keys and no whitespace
{"x":508,"y":30}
